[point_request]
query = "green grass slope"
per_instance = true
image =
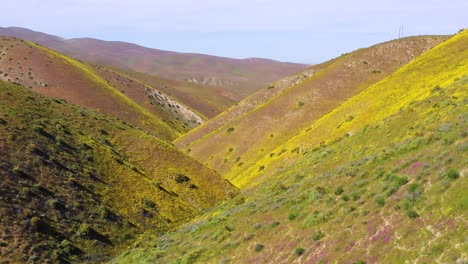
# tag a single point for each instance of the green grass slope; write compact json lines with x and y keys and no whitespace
{"x":386,"y":186}
{"x":77,"y":186}
{"x":257,"y":132}
{"x":54,"y":74}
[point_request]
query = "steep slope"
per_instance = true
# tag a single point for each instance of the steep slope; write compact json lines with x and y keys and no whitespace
{"x":254,"y":133}
{"x":57,"y":75}
{"x":248,"y":104}
{"x":79,"y":186}
{"x":209,"y":101}
{"x":241,"y":76}
{"x":387,"y":186}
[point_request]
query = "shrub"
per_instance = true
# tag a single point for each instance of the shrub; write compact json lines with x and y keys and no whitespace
{"x":275,"y":224}
{"x":292,"y":216}
{"x":83,"y":231}
{"x":318,"y":235}
{"x":181,"y":178}
{"x":355,"y":196}
{"x":259,"y":247}
{"x":345,"y":197}
{"x":380,"y":201}
{"x":229,"y":130}
{"x":299,"y":251}
{"x":453,"y":174}
{"x":148,"y":203}
{"x":412,"y":214}
{"x":339,"y":190}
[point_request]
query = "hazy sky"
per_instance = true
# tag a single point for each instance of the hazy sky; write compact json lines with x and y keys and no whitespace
{"x":288,"y":30}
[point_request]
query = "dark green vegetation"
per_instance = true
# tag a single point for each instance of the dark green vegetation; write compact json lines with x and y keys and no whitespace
{"x":385,"y":186}
{"x":79,"y":186}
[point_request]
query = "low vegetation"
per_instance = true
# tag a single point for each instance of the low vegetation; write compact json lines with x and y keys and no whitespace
{"x":399,"y":165}
{"x":78,"y":186}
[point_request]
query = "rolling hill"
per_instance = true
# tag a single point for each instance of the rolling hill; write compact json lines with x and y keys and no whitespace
{"x":208,"y":101}
{"x":381,"y":178}
{"x":235,"y":140}
{"x":235,"y":76}
{"x":78,"y":186}
{"x":93,"y":86}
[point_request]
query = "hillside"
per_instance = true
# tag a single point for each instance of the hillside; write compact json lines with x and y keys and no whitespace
{"x":239,"y":76}
{"x":77,"y":186}
{"x":208,"y":101}
{"x":382,"y":178}
{"x":94,"y":86}
{"x":235,"y":140}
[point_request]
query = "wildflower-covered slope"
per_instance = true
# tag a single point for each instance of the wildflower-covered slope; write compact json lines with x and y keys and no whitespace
{"x":380,"y":179}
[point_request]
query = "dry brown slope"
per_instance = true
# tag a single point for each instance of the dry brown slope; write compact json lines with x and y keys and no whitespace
{"x":207,"y":100}
{"x":241,"y":76}
{"x":239,"y":144}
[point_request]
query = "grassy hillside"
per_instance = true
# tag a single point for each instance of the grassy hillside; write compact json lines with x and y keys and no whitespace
{"x":246,"y":105}
{"x":257,"y":130}
{"x":57,"y":75}
{"x":79,"y":186}
{"x":240,"y":76}
{"x":209,"y":101}
{"x":380,"y":179}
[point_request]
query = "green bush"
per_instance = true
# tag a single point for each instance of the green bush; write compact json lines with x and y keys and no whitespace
{"x":412,"y":214}
{"x":339,"y":190}
{"x":259,"y":247}
{"x":299,"y":251}
{"x":292,"y":216}
{"x":453,"y":174}
{"x":380,"y":201}
{"x":275,"y":224}
{"x":318,"y":235}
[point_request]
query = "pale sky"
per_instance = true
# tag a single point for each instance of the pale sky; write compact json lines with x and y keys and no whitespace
{"x":289,"y":30}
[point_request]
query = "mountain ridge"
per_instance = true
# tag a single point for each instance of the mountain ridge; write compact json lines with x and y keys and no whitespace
{"x":246,"y":75}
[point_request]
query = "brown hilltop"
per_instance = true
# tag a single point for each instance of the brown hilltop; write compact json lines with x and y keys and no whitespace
{"x":240,"y":77}
{"x":94,"y":86}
